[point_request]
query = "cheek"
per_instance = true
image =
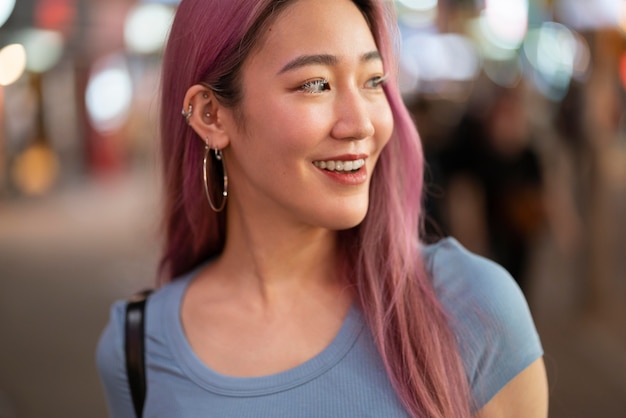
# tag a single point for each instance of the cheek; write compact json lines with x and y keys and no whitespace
{"x":292,"y":127}
{"x":276,"y":138}
{"x":383,"y":124}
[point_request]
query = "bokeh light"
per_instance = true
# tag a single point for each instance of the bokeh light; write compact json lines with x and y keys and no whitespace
{"x":6,"y":8}
{"x":428,"y":58}
{"x":551,"y":50}
{"x":57,"y":15}
{"x":419,"y":5}
{"x":504,"y":73}
{"x":12,"y":63}
{"x":146,"y":27}
{"x":36,"y":170}
{"x":44,"y":48}
{"x":589,"y":14}
{"x":109,"y":94}
{"x":505,"y":22}
{"x":417,"y":13}
{"x":489,"y":45}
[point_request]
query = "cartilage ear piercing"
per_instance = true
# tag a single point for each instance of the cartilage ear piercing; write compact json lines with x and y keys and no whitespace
{"x":187,"y":114}
{"x":208,"y":114}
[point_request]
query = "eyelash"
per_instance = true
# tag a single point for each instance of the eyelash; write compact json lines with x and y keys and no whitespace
{"x":319,"y":85}
{"x":314,"y":86}
{"x":378,"y":81}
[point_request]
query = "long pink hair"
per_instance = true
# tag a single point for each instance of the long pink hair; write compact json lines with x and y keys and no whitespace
{"x":208,"y":42}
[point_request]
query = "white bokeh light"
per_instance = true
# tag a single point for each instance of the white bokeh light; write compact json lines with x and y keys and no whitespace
{"x":109,"y":95}
{"x":6,"y":8}
{"x":419,"y":5}
{"x":12,"y":63}
{"x":589,"y":14}
{"x":146,"y":27}
{"x":44,"y":48}
{"x":552,"y":51}
{"x":431,"y":57}
{"x":506,"y":22}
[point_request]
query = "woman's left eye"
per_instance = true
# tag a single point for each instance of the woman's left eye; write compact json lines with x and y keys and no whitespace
{"x":376,"y":82}
{"x":315,"y":86}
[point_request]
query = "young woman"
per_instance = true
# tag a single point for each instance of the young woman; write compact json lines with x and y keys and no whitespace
{"x":295,"y":283}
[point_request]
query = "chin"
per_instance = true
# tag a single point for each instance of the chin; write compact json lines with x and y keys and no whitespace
{"x":347,"y":219}
{"x":342,"y":214}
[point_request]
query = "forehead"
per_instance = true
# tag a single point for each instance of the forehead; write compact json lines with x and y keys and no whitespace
{"x":335,"y":27}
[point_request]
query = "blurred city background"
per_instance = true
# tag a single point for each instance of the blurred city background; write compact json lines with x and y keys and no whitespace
{"x":521,"y":108}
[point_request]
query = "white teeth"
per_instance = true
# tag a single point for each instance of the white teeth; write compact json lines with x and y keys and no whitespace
{"x":344,"y":166}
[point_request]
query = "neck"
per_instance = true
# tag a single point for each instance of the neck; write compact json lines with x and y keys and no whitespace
{"x":274,"y":260}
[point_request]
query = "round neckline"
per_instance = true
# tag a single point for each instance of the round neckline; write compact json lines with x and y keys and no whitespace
{"x":218,"y":383}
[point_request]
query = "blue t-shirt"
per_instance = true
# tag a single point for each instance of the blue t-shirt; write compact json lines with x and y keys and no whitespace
{"x":489,"y":317}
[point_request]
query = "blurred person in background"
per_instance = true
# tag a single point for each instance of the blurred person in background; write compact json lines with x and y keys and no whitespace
{"x":294,"y":281}
{"x":492,"y":177}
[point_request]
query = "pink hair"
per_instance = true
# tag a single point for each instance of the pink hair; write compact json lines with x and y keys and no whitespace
{"x":209,"y":41}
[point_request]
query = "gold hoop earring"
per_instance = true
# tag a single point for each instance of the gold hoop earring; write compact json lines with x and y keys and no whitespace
{"x":218,"y":157}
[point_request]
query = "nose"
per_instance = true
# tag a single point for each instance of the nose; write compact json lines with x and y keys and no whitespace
{"x":353,"y":119}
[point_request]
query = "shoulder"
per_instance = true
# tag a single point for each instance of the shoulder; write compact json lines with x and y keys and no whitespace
{"x":110,"y":361}
{"x":488,"y":313}
{"x":110,"y":345}
{"x":110,"y":354}
{"x":459,"y":275}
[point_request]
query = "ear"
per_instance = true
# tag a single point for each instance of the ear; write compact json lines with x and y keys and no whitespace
{"x":204,"y":115}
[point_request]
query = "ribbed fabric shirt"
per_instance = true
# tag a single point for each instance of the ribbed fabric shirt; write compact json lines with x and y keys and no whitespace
{"x":488,"y":314}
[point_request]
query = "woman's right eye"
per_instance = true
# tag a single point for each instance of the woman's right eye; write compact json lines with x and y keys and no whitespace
{"x":315,"y":86}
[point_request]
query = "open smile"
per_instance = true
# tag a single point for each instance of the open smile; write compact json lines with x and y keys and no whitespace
{"x":346,"y":166}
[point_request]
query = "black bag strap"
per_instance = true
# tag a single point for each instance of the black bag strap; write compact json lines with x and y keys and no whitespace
{"x":134,"y":348}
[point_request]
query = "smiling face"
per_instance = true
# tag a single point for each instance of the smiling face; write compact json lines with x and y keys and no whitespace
{"x":314,"y":119}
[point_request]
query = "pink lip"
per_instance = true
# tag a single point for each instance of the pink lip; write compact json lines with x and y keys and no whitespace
{"x":345,"y":157}
{"x":347,"y":179}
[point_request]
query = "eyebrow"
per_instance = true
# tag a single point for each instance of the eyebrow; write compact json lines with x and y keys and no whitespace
{"x":324,"y":59}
